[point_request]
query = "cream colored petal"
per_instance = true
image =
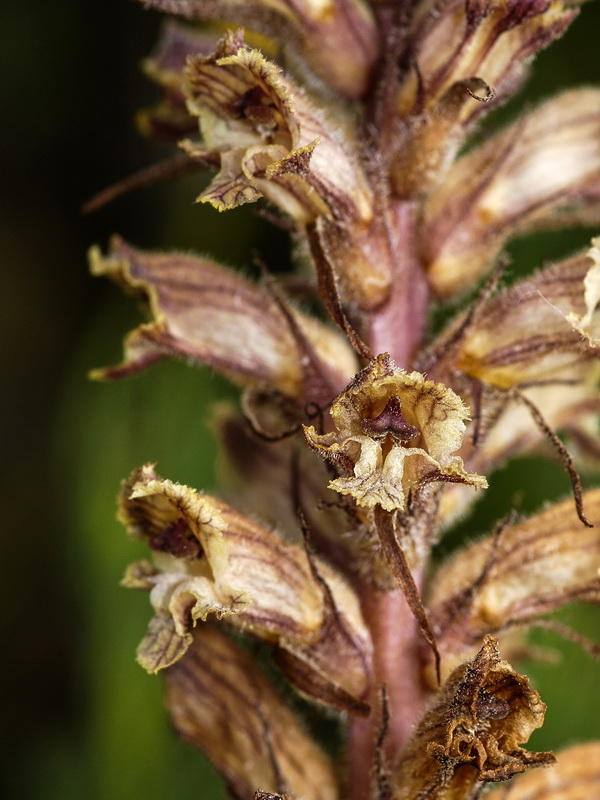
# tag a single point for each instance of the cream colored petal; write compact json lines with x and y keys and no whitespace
{"x":534,"y":568}
{"x":583,"y":322}
{"x":211,"y":315}
{"x":518,"y":181}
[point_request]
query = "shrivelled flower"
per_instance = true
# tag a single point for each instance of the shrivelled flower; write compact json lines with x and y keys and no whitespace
{"x":395,"y":431}
{"x":506,"y":187}
{"x":574,"y":776}
{"x":523,"y":572}
{"x":210,"y":559}
{"x":272,"y":140}
{"x":211,"y":315}
{"x":473,"y":730}
{"x":337,"y":38}
{"x":221,"y":702}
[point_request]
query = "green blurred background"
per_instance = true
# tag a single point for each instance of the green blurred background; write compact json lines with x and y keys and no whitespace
{"x":78,"y":717}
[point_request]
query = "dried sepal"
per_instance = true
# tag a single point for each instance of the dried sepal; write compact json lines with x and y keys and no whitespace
{"x":472,"y":731}
{"x":427,"y":147}
{"x":522,"y":572}
{"x":273,"y":142}
{"x":211,"y":315}
{"x":336,"y":667}
{"x":337,"y":38}
{"x":574,"y":776}
{"x":395,"y":431}
{"x":507,"y":187}
{"x":221,"y":703}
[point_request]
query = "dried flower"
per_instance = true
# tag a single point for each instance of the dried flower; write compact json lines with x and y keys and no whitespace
{"x":395,"y":433}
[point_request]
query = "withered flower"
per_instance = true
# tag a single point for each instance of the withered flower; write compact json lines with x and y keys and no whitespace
{"x":209,"y":559}
{"x":351,"y":119}
{"x":396,"y":431}
{"x":472,"y":731}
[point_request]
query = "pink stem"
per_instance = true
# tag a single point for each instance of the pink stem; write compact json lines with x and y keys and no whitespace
{"x":398,"y":326}
{"x":397,"y":645}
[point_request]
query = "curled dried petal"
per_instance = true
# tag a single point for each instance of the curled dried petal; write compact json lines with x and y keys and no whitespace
{"x":210,"y":559}
{"x":472,"y":731}
{"x":221,"y":703}
{"x":575,"y":776}
{"x":394,"y":432}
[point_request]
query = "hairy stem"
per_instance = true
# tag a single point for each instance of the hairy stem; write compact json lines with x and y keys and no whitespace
{"x":398,"y":326}
{"x":397,"y":644}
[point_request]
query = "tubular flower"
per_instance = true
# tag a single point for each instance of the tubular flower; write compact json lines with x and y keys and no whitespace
{"x":209,"y":559}
{"x":523,"y":572}
{"x":359,"y":437}
{"x":395,"y":432}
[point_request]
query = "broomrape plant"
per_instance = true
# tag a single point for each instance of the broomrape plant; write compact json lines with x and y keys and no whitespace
{"x":361,"y":438}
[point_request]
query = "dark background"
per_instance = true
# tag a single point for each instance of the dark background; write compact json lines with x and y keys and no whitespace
{"x":78,"y":717}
